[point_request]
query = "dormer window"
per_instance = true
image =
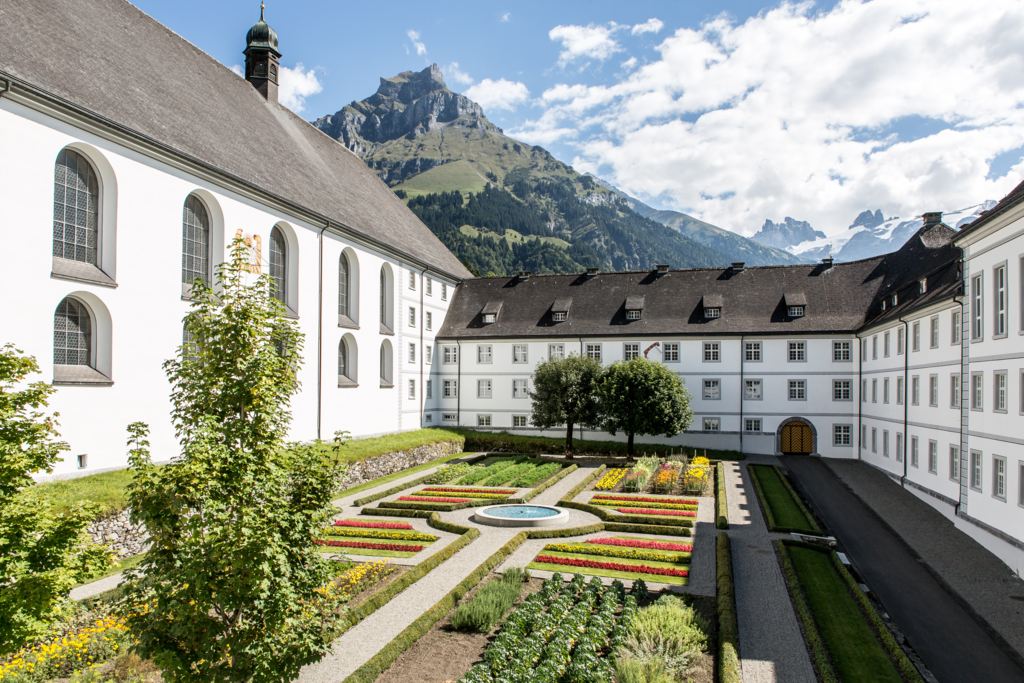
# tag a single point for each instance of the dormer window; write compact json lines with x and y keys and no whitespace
{"x":560,"y":309}
{"x":895,"y":300}
{"x":795,"y":311}
{"x":923,"y":285}
{"x":712,"y":312}
{"x":634,"y":307}
{"x":883,"y":304}
{"x":489,"y":314}
{"x":796,"y":304}
{"x":712,"y":306}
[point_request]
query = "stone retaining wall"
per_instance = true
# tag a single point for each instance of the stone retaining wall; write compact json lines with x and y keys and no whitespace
{"x":127,"y":539}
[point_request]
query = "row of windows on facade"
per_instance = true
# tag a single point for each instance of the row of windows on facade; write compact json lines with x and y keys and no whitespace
{"x":975,"y":464}
{"x":1000,"y":390}
{"x":1000,"y":301}
{"x":915,"y":337}
{"x":670,"y":352}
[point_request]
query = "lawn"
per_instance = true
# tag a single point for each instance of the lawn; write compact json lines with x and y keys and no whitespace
{"x":783,"y":510}
{"x":106,"y":490}
{"x":853,"y":645}
{"x":455,"y":175}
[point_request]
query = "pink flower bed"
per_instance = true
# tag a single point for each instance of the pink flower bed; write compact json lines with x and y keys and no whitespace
{"x":652,"y":511}
{"x":645,"y":499}
{"x":456,"y":489}
{"x":436,"y":499}
{"x":370,"y":545}
{"x":360,"y":524}
{"x":611,"y":566}
{"x":646,"y":545}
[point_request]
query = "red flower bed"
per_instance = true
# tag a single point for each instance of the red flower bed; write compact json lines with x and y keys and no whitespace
{"x":646,"y":545}
{"x":645,"y":499}
{"x":370,"y":545}
{"x":435,"y":499}
{"x":652,"y":511}
{"x":611,"y":566}
{"x":457,"y":489}
{"x":360,"y":524}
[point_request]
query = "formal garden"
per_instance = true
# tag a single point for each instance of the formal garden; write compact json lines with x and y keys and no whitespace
{"x":248,"y":558}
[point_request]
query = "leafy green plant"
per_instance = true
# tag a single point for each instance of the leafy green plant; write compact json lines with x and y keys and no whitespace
{"x":486,"y":608}
{"x":233,"y":586}
{"x":667,"y":635}
{"x":639,"y":396}
{"x":565,"y":392}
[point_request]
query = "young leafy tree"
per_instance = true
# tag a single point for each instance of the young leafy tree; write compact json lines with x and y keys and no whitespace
{"x":232,"y":588}
{"x":643,"y":397}
{"x":43,"y":553}
{"x":565,"y":392}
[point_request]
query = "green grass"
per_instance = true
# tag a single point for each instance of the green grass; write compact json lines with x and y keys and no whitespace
{"x":852,"y":643}
{"x":783,"y":510}
{"x":609,"y":573}
{"x":326,"y":550}
{"x":519,"y":443}
{"x":398,"y":475}
{"x":512,"y":236}
{"x":119,"y":566}
{"x":457,"y":175}
{"x":107,"y":490}
{"x":362,"y":449}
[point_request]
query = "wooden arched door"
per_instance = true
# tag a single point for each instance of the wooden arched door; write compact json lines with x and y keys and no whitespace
{"x":797,"y":438}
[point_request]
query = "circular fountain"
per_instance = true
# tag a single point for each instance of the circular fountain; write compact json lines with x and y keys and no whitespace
{"x":519,"y":515}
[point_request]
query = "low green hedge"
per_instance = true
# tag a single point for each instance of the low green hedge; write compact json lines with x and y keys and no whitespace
{"x":441,"y":507}
{"x":380,"y":662}
{"x":562,"y":533}
{"x":648,"y":529}
{"x":549,"y":482}
{"x":396,"y":512}
{"x":503,"y":442}
{"x":582,"y":486}
{"x":721,"y":498}
{"x":728,"y":627}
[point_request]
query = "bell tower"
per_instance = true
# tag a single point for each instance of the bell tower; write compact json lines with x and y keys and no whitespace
{"x":262,"y":59}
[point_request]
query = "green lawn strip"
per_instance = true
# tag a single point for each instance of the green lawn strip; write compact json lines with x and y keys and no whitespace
{"x":609,"y":573}
{"x":106,"y":490}
{"x":326,"y":550}
{"x":782,"y":508}
{"x":398,"y":475}
{"x":362,"y":449}
{"x":843,"y":642}
{"x":682,"y":564}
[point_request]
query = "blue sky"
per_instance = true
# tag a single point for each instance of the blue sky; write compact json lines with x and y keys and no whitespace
{"x":734,"y":112}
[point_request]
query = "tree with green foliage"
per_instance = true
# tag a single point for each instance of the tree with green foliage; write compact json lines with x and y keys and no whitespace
{"x":565,"y":393}
{"x":43,"y":553}
{"x":233,"y":587}
{"x":639,"y":396}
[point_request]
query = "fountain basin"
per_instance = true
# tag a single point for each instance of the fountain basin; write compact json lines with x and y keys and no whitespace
{"x":519,"y":515}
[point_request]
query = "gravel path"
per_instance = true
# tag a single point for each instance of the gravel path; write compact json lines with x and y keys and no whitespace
{"x":978,"y":577}
{"x":771,"y":644}
{"x":93,"y":589}
{"x":360,"y":643}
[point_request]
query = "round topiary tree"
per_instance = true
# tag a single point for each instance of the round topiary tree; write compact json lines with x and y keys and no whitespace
{"x":565,"y":393}
{"x":643,"y":397}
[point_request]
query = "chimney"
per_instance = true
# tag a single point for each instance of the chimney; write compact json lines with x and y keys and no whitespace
{"x":524,"y":275}
{"x":262,"y":59}
{"x":593,"y":271}
{"x":738,"y":266}
{"x":827,"y":262}
{"x":932,"y":218}
{"x":661,"y":268}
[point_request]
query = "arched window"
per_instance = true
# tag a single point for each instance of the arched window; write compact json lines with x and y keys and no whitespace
{"x":195,"y":241}
{"x":279,"y":265}
{"x":72,"y":334}
{"x":76,"y":198}
{"x":387,"y":294}
{"x":386,"y":364}
{"x":344,"y":287}
{"x":343,"y":368}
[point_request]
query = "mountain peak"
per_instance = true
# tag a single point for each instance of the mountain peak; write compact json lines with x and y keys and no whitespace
{"x":411,"y":85}
{"x":787,"y":233}
{"x":868,"y":219}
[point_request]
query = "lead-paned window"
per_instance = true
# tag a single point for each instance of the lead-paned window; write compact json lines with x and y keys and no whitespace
{"x":520,"y":388}
{"x":752,"y":424}
{"x":671,"y":352}
{"x":449,"y":388}
{"x":72,"y":334}
{"x":999,"y":300}
{"x":712,"y":352}
{"x":556,"y":351}
{"x":797,"y":351}
{"x":630,"y":350}
{"x":519,"y":353}
{"x":76,"y":197}
{"x":484,"y":388}
{"x":195,"y":241}
{"x":712,"y":389}
{"x":712,"y":424}
{"x":752,"y":389}
{"x":449,"y":354}
{"x":278,"y":266}
{"x":484,"y":353}
{"x":842,"y":390}
{"x":841,"y":351}
{"x":842,"y":435}
{"x":797,"y":390}
{"x":752,"y":352}
{"x":593,"y":352}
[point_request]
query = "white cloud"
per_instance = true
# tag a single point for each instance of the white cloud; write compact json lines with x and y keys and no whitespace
{"x":798,"y":111}
{"x":454,"y":73}
{"x":505,"y":17}
{"x":594,"y":42}
{"x":295,"y":85}
{"x":417,"y":43}
{"x":629,"y":64}
{"x":652,"y":25}
{"x":498,"y":94}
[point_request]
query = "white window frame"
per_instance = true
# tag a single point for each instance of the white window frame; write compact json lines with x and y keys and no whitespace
{"x":593,"y":351}
{"x":797,"y":351}
{"x":412,"y":316}
{"x":978,"y":307}
{"x":977,"y":391}
{"x":842,"y":390}
{"x":670,"y":352}
{"x":711,"y":389}
{"x":630,"y":350}
{"x":900,"y":388}
{"x":999,"y":477}
{"x":412,"y":352}
{"x":484,"y":420}
{"x":484,"y":388}
{"x":412,"y":390}
{"x":712,"y":352}
{"x":450,"y":388}
{"x":914,"y":451}
{"x":484,"y":354}
{"x":975,"y":471}
{"x":933,"y":456}
{"x":1000,"y":391}
{"x":520,"y":388}
{"x":933,"y":391}
{"x":915,"y":390}
{"x":915,"y":336}
{"x":753,"y":389}
{"x":711,"y":424}
{"x":899,"y":446}
{"x":841,"y":352}
{"x":954,"y":462}
{"x":753,"y":425}
{"x":449,"y":354}
{"x":842,"y":435}
{"x":520,"y":354}
{"x":955,"y":323}
{"x":999,"y":286}
{"x":954,"y":390}
{"x":556,"y":351}
{"x":933,"y":332}
{"x":520,"y":421}
{"x":796,"y":389}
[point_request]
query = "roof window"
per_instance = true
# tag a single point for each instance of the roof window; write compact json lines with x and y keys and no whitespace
{"x":489,"y":313}
{"x":634,"y":307}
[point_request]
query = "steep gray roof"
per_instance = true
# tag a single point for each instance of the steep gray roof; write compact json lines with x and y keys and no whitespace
{"x":108,"y":58}
{"x":838,"y":299}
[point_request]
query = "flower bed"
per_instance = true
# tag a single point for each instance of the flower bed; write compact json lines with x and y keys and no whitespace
{"x":612,"y":566}
{"x":640,"y":475}
{"x":62,"y":656}
{"x":460,"y":494}
{"x":369,"y":545}
{"x":654,"y":511}
{"x":642,"y":504}
{"x":367,"y":524}
{"x":611,"y":479}
{"x":435,"y":499}
{"x":666,"y":476}
{"x":641,"y":543}
{"x":619,"y":552}
{"x":386,"y":534}
{"x":467,"y":491}
{"x":645,"y":499}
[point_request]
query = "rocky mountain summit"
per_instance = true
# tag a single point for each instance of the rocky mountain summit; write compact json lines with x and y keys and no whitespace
{"x":786,"y":234}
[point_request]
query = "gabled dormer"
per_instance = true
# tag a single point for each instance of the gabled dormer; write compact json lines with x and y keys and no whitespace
{"x":489,"y":313}
{"x":560,"y":309}
{"x":712,"y":304}
{"x":796,"y":305}
{"x":634,"y":307}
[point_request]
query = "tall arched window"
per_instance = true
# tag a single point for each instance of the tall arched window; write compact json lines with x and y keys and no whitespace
{"x":343,"y":368}
{"x":195,"y":241}
{"x":387,"y":294}
{"x":344,"y":287}
{"x":76,"y":198}
{"x":279,"y":265}
{"x":386,"y":364}
{"x":72,"y":334}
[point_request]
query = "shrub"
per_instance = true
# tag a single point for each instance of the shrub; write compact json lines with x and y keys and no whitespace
{"x":449,"y":473}
{"x":486,"y":608}
{"x":650,"y":670}
{"x":613,"y":550}
{"x":669,"y":632}
{"x":721,"y":499}
{"x":728,"y":628}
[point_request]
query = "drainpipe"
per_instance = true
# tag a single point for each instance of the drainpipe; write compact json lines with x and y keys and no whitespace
{"x":320,"y":336}
{"x":581,"y":356}
{"x":961,"y":299}
{"x":458,"y":385}
{"x":423,"y":348}
{"x":906,"y":396}
{"x":860,"y":396}
{"x":742,"y":391}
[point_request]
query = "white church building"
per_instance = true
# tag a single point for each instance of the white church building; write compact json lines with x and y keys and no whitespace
{"x":132,"y":158}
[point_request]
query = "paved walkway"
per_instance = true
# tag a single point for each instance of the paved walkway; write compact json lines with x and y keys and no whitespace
{"x":977,"y":576}
{"x":950,"y":642}
{"x":91,"y":590}
{"x":771,"y":644}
